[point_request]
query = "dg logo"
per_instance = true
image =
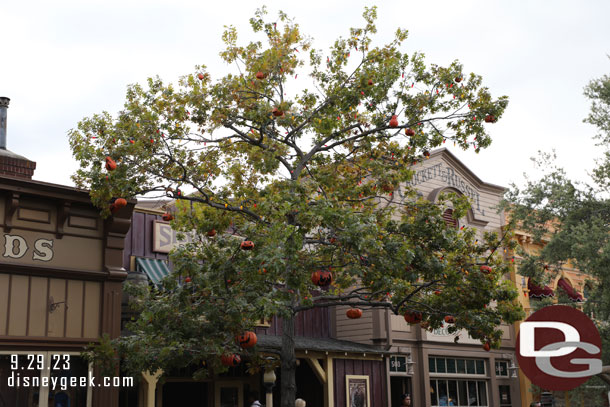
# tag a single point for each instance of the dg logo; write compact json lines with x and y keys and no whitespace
{"x":559,"y":348}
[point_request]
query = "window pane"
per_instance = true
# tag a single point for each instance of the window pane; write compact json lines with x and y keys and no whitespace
{"x":461,"y":366}
{"x":73,"y":396}
{"x":440,"y":365}
{"x":482,"y":393}
{"x":470,"y":366}
{"x":472,"y":393}
{"x":453,"y":395}
{"x":433,"y":393}
{"x":26,"y":367}
{"x":463,"y":393}
{"x":442,"y":393}
{"x":480,"y":366}
{"x":502,"y":368}
{"x":450,"y":365}
{"x":432,"y":365}
{"x":505,"y":396}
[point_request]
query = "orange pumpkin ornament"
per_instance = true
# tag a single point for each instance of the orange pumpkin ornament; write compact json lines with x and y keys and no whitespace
{"x":247,"y":340}
{"x":118,"y":204}
{"x":261,"y":75}
{"x":487,"y":346}
{"x":413,"y":317}
{"x":230,"y":360}
{"x":353,"y":313}
{"x":449,"y":319}
{"x":167,"y":217}
{"x":485,"y":269}
{"x":277,"y":112}
{"x":394,"y":121}
{"x":321,"y":278}
{"x":211,"y":233}
{"x":490,"y":118}
{"x":247,"y":245}
{"x":110,"y":164}
{"x":409,"y":132}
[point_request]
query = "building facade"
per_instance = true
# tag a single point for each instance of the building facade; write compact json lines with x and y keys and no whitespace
{"x":60,"y":286}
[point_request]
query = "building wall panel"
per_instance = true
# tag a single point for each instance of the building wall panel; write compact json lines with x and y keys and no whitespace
{"x":39,"y":306}
{"x":74,"y":313}
{"x":18,"y":305}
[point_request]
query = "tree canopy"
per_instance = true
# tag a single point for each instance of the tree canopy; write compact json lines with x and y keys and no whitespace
{"x":572,"y":218}
{"x":306,"y":154}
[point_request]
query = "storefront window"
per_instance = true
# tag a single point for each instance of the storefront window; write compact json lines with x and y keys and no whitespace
{"x":458,"y":393}
{"x":502,"y":368}
{"x":26,"y":377}
{"x":456,"y":366}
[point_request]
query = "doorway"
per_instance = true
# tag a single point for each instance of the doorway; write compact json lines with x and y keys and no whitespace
{"x":399,"y":385}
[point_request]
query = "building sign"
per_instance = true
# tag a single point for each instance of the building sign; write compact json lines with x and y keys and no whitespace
{"x":165,"y":238}
{"x":16,"y":247}
{"x":398,"y":364}
{"x":449,"y":176}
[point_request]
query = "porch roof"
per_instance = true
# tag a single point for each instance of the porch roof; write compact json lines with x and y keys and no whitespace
{"x":320,"y":345}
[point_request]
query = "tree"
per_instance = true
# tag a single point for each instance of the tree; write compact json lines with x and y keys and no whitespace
{"x":313,"y":173}
{"x":574,"y":217}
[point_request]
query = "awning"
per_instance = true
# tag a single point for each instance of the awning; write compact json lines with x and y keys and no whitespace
{"x":539,"y":292}
{"x":155,"y":269}
{"x":570,"y":291}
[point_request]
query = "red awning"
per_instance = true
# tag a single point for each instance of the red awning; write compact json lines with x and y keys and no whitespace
{"x":570,"y":291}
{"x":539,"y":292}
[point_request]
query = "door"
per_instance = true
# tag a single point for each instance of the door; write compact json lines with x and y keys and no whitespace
{"x":228,"y":394}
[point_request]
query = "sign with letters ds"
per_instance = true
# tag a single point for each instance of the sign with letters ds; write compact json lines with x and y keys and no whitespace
{"x":559,"y":348}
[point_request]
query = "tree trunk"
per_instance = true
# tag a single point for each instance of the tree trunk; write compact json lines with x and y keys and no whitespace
{"x":289,"y":366}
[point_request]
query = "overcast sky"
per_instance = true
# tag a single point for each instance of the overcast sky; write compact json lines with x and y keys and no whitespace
{"x":64,"y":60}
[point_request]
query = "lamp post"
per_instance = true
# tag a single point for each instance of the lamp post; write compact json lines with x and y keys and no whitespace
{"x":269,"y":382}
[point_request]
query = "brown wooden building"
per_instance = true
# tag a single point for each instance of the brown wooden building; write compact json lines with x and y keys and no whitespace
{"x":60,"y":286}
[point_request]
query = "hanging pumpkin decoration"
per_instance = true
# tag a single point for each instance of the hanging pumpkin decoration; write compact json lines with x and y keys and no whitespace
{"x":277,"y":112}
{"x":118,"y":204}
{"x":394,"y":121}
{"x":247,"y":340}
{"x":413,"y":317}
{"x":230,"y":360}
{"x":167,"y":216}
{"x":110,"y":164}
{"x":247,"y":245}
{"x":490,"y":118}
{"x":370,"y":82}
{"x":427,"y":154}
{"x":450,"y":319}
{"x":187,"y":280}
{"x":200,"y":76}
{"x":353,"y":313}
{"x":485,"y":269}
{"x":321,"y":278}
{"x":458,"y":79}
{"x":261,"y":75}
{"x":487,"y":346}
{"x":410,"y":132}
{"x":211,"y":233}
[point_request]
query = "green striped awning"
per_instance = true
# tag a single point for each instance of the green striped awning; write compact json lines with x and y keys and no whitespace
{"x":154,"y":269}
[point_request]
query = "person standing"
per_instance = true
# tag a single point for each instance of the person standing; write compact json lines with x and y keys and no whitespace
{"x":406,"y":400}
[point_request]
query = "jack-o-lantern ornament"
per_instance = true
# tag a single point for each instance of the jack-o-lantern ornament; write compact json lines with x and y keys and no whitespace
{"x":370,"y":82}
{"x":230,"y":360}
{"x":321,"y":278}
{"x":118,"y":204}
{"x":413,"y":317}
{"x":490,"y":118}
{"x":277,"y":112}
{"x":353,"y":313}
{"x":485,"y":269}
{"x":394,"y":121}
{"x":247,"y":245}
{"x":247,"y":340}
{"x":450,"y":319}
{"x":110,"y":164}
{"x":167,"y":217}
{"x":487,"y":346}
{"x":211,"y":233}
{"x":458,"y":79}
{"x":410,"y":132}
{"x":261,"y":75}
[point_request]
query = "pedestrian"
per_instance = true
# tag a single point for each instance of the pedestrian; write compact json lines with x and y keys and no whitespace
{"x":406,"y":400}
{"x":299,"y":403}
{"x":253,"y":399}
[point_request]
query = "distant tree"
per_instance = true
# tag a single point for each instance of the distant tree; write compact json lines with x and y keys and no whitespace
{"x":312,"y":171}
{"x":575,"y":218}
